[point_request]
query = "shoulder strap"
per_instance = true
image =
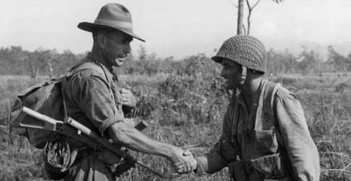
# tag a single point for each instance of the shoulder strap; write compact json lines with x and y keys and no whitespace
{"x":269,"y":100}
{"x":89,"y":65}
{"x":63,"y":81}
{"x":282,"y":148}
{"x":85,"y":66}
{"x":270,"y":91}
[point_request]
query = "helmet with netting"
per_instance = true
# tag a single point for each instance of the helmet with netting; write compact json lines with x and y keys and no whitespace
{"x":245,"y":50}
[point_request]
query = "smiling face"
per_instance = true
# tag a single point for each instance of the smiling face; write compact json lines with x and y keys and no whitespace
{"x":115,"y":47}
{"x":231,"y":72}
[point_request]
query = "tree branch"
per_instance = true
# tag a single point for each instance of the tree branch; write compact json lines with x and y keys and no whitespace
{"x":250,"y":8}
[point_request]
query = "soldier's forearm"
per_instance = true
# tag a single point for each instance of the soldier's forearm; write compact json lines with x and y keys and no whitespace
{"x":209,"y":163}
{"x":135,"y":140}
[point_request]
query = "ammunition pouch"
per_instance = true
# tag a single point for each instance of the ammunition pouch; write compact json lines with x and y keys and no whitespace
{"x":269,"y":166}
{"x":265,"y":167}
{"x":58,"y":158}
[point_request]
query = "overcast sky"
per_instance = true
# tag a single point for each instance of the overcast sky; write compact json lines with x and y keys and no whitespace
{"x":177,"y":27}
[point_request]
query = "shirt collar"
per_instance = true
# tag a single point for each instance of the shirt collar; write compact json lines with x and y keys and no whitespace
{"x":109,"y":73}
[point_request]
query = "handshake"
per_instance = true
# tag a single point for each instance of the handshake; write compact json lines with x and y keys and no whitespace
{"x":183,"y":161}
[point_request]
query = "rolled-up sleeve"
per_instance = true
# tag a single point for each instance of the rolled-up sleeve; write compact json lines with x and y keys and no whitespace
{"x":297,"y":140}
{"x":211,"y":162}
{"x":95,"y":98}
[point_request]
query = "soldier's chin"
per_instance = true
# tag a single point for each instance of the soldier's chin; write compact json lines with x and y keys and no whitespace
{"x":230,"y":86}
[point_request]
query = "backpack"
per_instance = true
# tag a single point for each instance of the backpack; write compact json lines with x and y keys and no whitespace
{"x":45,"y":98}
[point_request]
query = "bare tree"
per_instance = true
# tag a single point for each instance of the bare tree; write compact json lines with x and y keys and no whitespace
{"x":240,"y":23}
{"x":250,"y":8}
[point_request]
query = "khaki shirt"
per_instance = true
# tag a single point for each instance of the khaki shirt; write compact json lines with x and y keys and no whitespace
{"x":92,"y":98}
{"x":294,"y":136}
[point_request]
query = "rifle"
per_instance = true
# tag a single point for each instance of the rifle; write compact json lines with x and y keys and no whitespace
{"x":74,"y":129}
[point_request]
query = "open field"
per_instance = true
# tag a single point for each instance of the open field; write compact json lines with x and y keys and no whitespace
{"x":186,"y":110}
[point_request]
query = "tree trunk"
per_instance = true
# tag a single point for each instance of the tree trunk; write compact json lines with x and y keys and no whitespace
{"x":50,"y":69}
{"x":240,"y":17}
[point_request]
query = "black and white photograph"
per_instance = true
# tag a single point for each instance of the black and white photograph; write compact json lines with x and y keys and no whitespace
{"x":183,"y":90}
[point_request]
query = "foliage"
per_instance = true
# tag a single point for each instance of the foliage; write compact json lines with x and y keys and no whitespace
{"x":307,"y":62}
{"x":15,"y":61}
{"x":183,"y":103}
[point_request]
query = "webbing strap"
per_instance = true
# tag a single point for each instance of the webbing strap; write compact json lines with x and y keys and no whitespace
{"x":88,"y":65}
{"x":268,"y":104}
{"x":270,"y":92}
{"x":63,"y":83}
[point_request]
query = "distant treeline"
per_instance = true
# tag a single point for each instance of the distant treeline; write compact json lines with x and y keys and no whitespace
{"x":16,"y":61}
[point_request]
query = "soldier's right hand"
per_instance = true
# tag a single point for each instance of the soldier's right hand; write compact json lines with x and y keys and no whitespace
{"x":183,"y":161}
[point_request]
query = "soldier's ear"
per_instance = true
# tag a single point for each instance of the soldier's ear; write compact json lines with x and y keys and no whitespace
{"x":101,"y":40}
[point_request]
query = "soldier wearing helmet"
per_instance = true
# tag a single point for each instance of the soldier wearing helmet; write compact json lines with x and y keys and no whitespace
{"x":265,"y":134}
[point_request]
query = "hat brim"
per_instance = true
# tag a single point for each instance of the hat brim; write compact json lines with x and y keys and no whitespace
{"x":91,"y":27}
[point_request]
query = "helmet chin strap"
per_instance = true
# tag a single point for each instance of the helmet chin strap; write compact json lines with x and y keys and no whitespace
{"x":241,"y":82}
{"x":243,"y":75}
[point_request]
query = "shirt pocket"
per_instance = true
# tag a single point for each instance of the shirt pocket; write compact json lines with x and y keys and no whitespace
{"x":266,"y":141}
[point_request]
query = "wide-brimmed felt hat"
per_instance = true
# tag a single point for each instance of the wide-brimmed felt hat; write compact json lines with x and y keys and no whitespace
{"x":114,"y":16}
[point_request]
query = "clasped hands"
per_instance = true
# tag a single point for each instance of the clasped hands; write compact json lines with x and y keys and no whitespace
{"x":183,"y":161}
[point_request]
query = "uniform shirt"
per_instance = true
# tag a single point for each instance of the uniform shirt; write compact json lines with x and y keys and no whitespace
{"x":92,"y":98}
{"x":295,"y":136}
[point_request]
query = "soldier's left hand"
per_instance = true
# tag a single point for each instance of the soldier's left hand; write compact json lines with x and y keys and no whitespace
{"x":187,"y":164}
{"x":128,"y":99}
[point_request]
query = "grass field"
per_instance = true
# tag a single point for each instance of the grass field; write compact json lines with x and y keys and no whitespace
{"x":187,"y":110}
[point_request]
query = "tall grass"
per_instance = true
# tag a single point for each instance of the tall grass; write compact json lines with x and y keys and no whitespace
{"x":186,"y":110}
